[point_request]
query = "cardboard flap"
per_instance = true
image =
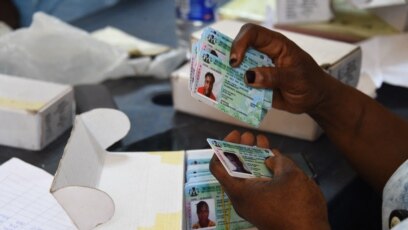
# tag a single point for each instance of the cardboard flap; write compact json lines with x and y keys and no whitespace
{"x":77,"y":178}
{"x":87,"y":207}
{"x":82,"y":161}
{"x":132,"y":182}
{"x":107,"y":126}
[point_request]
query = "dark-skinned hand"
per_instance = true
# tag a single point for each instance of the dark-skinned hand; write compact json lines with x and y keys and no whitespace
{"x":289,"y":200}
{"x":299,"y":84}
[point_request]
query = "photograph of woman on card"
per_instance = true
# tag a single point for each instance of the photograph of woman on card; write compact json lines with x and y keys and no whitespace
{"x":236,"y":164}
{"x":203,"y":214}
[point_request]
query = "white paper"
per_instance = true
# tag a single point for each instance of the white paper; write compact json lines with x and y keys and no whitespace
{"x":376,"y":3}
{"x":25,"y":200}
{"x":385,"y":59}
{"x":142,"y":187}
{"x":294,"y":11}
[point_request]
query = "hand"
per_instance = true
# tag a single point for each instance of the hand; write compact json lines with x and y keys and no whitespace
{"x":299,"y":84}
{"x":290,"y":200}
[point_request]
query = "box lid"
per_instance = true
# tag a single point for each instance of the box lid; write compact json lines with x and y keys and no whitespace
{"x":28,"y":94}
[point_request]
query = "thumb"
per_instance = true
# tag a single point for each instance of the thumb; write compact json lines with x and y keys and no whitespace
{"x":278,"y":164}
{"x":264,"y":77}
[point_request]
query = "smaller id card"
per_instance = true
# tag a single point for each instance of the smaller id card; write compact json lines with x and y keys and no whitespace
{"x":241,"y":160}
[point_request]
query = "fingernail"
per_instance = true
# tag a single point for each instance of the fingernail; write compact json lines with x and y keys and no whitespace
{"x":250,"y":76}
{"x":232,"y":61}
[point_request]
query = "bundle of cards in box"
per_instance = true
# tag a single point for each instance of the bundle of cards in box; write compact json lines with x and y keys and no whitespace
{"x":207,"y":206}
{"x":214,"y":82}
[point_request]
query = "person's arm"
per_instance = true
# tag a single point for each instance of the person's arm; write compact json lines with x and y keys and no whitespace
{"x":374,"y":140}
{"x":9,"y":13}
{"x":289,"y":200}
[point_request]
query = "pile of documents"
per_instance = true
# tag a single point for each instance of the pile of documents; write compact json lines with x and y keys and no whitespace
{"x":214,"y":82}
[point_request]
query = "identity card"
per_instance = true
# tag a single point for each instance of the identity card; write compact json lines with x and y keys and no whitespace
{"x":241,"y":160}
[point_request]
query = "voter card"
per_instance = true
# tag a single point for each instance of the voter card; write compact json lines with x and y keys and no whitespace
{"x":223,"y":45}
{"x":241,"y":160}
{"x":208,"y":196}
{"x":199,"y":168}
{"x":199,"y":48}
{"x":201,"y":178}
{"x":229,"y":92}
{"x":201,"y":156}
{"x":252,"y":58}
{"x":198,"y":176}
{"x":194,"y":50}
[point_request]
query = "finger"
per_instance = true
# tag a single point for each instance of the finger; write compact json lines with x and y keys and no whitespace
{"x":250,"y":35}
{"x":217,"y":169}
{"x":239,"y":47}
{"x":247,"y":138}
{"x":276,"y":152}
{"x":265,"y":77}
{"x":278,"y":101}
{"x":275,"y":163}
{"x":262,"y":141}
{"x":234,"y":137}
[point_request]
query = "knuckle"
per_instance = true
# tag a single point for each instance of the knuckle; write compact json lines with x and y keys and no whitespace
{"x":248,"y":27}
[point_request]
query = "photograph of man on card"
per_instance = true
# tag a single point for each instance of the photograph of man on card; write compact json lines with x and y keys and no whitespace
{"x":203,"y":215}
{"x":235,"y":163}
{"x":207,"y":88}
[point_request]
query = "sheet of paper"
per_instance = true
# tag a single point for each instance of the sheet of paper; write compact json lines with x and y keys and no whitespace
{"x":25,"y":200}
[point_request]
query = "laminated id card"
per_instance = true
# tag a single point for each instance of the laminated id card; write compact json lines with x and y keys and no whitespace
{"x":241,"y":160}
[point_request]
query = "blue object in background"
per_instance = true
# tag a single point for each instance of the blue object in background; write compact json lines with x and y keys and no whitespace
{"x":66,"y":10}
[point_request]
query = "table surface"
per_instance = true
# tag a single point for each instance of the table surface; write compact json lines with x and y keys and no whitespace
{"x":157,"y":126}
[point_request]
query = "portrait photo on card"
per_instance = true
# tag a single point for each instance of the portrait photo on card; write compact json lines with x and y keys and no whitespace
{"x":209,"y":84}
{"x":203,"y":214}
{"x":235,"y":162}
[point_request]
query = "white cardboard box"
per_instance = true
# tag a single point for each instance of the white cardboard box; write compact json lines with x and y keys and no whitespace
{"x":277,"y":11}
{"x":117,"y":190}
{"x":394,"y":12}
{"x":341,"y":60}
{"x":396,"y":16}
{"x":33,"y":113}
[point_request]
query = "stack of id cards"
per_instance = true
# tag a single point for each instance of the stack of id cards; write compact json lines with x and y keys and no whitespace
{"x":207,"y":206}
{"x":214,"y":82}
